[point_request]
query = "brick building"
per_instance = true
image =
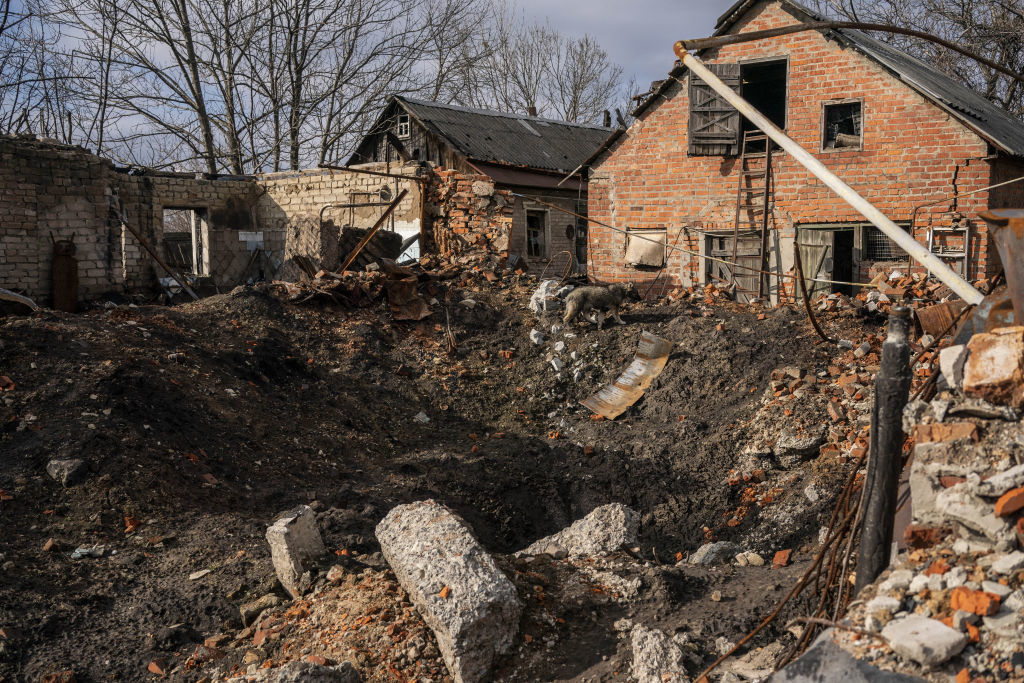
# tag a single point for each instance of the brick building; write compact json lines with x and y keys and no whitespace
{"x":524,"y":159}
{"x":903,"y":135}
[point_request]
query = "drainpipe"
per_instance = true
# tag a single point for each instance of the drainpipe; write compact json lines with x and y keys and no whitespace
{"x":906,"y":241}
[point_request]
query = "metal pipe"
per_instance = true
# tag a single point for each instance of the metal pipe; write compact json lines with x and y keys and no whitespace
{"x":734,"y":38}
{"x":365,"y":171}
{"x":885,"y":459}
{"x":906,"y":241}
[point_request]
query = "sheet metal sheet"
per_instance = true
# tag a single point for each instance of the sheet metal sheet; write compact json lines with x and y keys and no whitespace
{"x":613,"y":399}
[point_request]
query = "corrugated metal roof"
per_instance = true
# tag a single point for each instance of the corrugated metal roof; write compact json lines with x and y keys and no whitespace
{"x":511,"y":139}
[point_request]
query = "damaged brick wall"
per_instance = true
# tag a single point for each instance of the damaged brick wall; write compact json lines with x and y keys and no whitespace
{"x":913,"y":153}
{"x":294,"y":201}
{"x":46,"y":187}
{"x":470,"y":215}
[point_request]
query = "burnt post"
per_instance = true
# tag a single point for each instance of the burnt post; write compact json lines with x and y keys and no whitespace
{"x":885,"y":457}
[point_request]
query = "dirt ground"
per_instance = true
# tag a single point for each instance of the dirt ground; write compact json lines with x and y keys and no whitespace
{"x":200,"y":422}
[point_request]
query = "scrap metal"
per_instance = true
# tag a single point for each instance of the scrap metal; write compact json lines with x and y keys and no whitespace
{"x":613,"y":399}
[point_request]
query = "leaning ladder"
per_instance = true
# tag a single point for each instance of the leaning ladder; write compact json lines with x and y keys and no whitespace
{"x":752,"y":201}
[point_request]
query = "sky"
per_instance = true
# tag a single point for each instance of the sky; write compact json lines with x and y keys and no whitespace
{"x":637,"y":34}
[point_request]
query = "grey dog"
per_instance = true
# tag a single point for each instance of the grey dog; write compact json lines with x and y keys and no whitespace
{"x":595,"y":301}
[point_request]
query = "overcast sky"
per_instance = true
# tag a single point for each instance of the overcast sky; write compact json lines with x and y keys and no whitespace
{"x":638,"y":34}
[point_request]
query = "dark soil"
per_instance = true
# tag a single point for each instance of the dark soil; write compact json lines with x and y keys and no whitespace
{"x":200,"y":422}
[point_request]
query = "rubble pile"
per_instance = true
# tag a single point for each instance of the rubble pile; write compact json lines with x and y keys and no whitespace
{"x":953,"y":601}
{"x":476,"y":219}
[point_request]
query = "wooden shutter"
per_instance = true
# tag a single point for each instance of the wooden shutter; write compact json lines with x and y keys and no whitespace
{"x":714,"y":123}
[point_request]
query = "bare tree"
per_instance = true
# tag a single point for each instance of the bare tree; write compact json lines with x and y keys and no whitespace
{"x":993,"y":28}
{"x":582,"y":81}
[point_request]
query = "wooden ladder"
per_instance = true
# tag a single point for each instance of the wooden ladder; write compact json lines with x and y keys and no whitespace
{"x":752,"y":200}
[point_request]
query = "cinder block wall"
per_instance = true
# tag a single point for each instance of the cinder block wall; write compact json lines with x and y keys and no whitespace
{"x":912,"y":153}
{"x":304,"y":208}
{"x":47,"y":188}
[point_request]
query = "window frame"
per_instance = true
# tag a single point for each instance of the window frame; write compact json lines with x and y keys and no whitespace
{"x":823,"y":125}
{"x":543,"y":242}
{"x":401,"y":124}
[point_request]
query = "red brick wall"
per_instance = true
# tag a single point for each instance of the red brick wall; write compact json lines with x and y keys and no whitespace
{"x":912,"y":153}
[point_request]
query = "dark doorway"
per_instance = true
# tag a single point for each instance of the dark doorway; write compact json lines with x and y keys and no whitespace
{"x":842,"y":263}
{"x":763,"y":84}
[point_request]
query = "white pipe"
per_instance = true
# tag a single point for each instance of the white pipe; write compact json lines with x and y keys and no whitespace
{"x":901,"y":237}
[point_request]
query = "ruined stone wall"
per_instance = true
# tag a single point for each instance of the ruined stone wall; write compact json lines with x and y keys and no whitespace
{"x":470,"y":215}
{"x":303,"y":207}
{"x":912,"y":153}
{"x":48,"y":188}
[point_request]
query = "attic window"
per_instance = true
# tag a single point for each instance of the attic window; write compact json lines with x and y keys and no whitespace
{"x":842,"y":125}
{"x":402,"y":127}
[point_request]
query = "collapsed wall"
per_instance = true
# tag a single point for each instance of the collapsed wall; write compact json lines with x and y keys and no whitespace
{"x":312,"y":210}
{"x":230,"y":230}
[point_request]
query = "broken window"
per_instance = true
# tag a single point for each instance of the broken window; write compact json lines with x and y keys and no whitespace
{"x":402,"y":127}
{"x":536,"y":244}
{"x":186,"y":236}
{"x":842,"y":125}
{"x":880,"y":247}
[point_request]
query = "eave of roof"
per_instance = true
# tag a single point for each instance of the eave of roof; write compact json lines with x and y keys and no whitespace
{"x":1005,"y":133}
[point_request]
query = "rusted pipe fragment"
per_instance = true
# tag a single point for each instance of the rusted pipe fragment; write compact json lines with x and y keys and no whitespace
{"x":1008,"y":233}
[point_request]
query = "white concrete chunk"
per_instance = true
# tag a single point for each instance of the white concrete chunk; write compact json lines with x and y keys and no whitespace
{"x":471,"y":606}
{"x":951,"y":364}
{"x":294,"y":541}
{"x":926,"y":641}
{"x":604,"y":530}
{"x":657,"y":658}
{"x":998,"y":484}
{"x":1007,"y":564}
{"x":957,"y":505}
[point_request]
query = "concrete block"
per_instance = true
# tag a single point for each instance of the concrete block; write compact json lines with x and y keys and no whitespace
{"x":958,"y":505}
{"x":471,"y":606}
{"x":714,"y":553}
{"x":925,"y":641}
{"x":294,"y":541}
{"x":68,"y":472}
{"x":604,"y":530}
{"x":994,"y":369}
{"x":657,"y":658}
{"x":825,"y":662}
{"x":951,"y":363}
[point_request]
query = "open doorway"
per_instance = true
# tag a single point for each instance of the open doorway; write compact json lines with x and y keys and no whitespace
{"x":186,"y":239}
{"x":763,"y":84}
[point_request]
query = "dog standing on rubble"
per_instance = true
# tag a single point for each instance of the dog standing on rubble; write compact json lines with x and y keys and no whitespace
{"x":597,"y":301}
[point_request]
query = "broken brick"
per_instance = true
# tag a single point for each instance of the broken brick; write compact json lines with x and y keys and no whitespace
{"x":949,"y":482}
{"x":1010,"y":502}
{"x":945,"y":431}
{"x":922,"y":536}
{"x":938,"y":567}
{"x":781,"y":558}
{"x":836,"y":412}
{"x":976,"y":602}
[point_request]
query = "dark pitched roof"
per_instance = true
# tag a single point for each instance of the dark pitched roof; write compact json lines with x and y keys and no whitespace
{"x":967,"y":106}
{"x":510,"y":139}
